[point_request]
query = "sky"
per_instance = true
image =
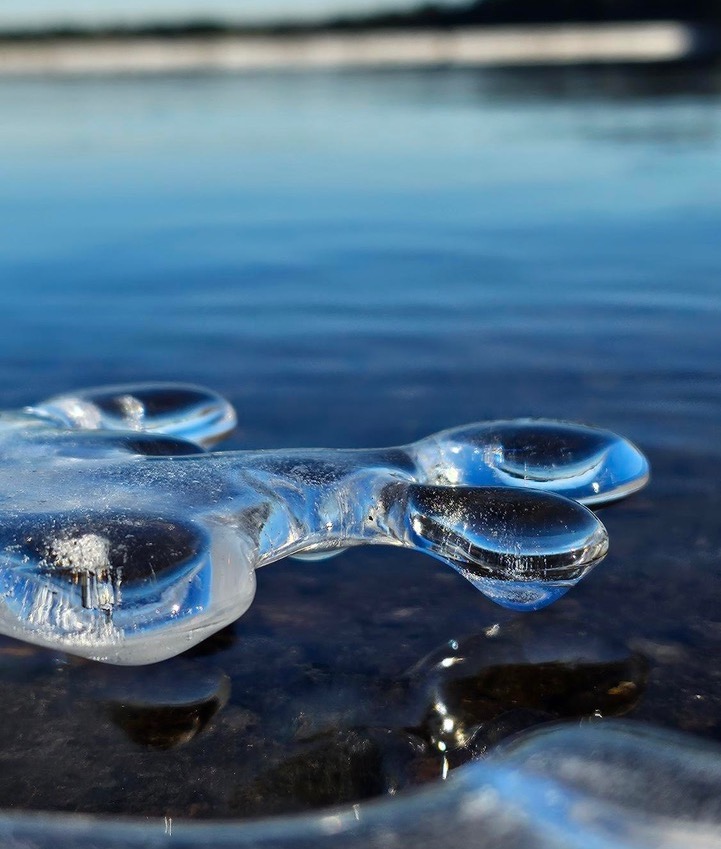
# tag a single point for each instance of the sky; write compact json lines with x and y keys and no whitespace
{"x":32,"y":13}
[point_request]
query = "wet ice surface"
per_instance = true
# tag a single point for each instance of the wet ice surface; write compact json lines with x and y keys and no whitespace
{"x":129,"y":548}
{"x":266,"y":718}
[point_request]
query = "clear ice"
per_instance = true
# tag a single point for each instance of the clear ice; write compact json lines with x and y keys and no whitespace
{"x":122,"y":539}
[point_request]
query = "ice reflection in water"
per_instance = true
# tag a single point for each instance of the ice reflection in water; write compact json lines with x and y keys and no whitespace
{"x":606,"y":784}
{"x":339,"y":737}
{"x":120,"y":542}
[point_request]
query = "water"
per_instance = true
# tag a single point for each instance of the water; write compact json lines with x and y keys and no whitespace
{"x":293,"y":236}
{"x":362,"y":260}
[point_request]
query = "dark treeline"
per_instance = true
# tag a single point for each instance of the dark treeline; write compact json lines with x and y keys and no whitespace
{"x":478,"y":13}
{"x":187,"y":29}
{"x":506,"y":12}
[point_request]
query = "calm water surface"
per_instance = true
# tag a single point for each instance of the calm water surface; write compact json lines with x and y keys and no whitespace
{"x":356,"y":260}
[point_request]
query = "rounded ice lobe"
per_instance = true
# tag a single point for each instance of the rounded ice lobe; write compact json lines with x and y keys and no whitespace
{"x":189,"y":412}
{"x":122,"y":588}
{"x":523,"y":549}
{"x":100,"y":445}
{"x":649,"y":786}
{"x":587,"y":464}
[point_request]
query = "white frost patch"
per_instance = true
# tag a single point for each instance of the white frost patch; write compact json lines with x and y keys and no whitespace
{"x":87,"y":558}
{"x":86,"y":553}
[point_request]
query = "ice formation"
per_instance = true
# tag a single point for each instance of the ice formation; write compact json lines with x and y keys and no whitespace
{"x":122,"y":539}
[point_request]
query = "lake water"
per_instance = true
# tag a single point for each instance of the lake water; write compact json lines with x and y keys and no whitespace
{"x":360,"y":259}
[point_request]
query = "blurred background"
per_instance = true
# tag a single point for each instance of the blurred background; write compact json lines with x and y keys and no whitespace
{"x":364,"y":222}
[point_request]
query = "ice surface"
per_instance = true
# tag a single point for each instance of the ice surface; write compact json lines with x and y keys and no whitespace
{"x":123,"y":541}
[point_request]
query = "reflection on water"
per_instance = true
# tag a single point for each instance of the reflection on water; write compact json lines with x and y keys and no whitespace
{"x":362,"y":259}
{"x":161,"y":706}
{"x":325,"y":743}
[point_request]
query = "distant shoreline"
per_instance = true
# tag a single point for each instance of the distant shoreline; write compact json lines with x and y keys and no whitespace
{"x":662,"y":41}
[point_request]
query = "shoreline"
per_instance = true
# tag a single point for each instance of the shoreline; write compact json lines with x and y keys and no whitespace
{"x":661,"y":41}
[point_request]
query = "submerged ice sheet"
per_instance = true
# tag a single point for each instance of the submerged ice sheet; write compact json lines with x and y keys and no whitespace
{"x":124,"y":541}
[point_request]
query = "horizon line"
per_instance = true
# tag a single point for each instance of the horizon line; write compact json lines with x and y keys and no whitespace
{"x":662,"y":41}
